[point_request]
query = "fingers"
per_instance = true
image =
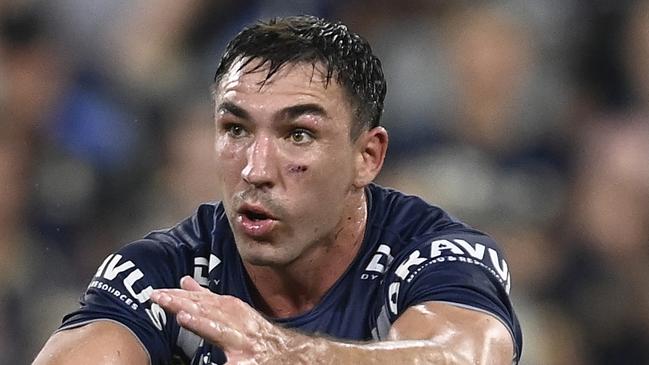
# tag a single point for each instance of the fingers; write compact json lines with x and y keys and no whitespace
{"x":190,"y":290}
{"x":199,"y":312}
{"x":188,"y":283}
{"x":227,"y":338}
{"x":223,"y":320}
{"x":176,"y":300}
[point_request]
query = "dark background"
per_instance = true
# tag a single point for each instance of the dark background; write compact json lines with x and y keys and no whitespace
{"x":526,"y":118}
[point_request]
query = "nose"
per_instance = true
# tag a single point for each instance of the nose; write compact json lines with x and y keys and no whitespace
{"x":260,"y":165}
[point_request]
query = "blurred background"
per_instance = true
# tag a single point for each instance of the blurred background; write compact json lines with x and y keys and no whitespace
{"x":528,"y":119}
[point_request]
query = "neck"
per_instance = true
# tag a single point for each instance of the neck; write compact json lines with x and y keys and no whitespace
{"x":296,"y":288}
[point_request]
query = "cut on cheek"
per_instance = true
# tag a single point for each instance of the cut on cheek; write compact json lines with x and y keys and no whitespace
{"x":297,"y":169}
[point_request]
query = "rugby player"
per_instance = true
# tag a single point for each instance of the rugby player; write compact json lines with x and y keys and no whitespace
{"x":305,"y":260}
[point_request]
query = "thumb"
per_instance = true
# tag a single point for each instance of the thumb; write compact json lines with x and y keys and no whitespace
{"x":188,"y":283}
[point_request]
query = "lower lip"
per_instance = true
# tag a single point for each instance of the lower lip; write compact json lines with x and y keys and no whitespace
{"x":255,"y":228}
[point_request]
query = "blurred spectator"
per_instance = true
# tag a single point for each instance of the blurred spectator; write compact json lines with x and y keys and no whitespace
{"x":603,"y":285}
{"x":636,"y":52}
{"x":186,"y":177}
{"x":495,"y":157}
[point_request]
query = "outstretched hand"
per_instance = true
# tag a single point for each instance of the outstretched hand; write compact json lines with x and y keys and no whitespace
{"x":240,"y":331}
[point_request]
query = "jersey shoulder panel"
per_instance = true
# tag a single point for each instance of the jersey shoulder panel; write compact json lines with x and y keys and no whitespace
{"x":122,"y":285}
{"x":435,"y":257}
{"x":407,"y":216}
{"x":466,"y":269}
{"x":194,"y":231}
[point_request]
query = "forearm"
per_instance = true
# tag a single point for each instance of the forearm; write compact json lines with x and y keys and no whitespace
{"x":418,"y":336}
{"x":320,"y":351}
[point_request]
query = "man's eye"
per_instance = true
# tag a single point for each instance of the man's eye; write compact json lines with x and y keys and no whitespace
{"x":235,"y":130}
{"x":301,"y":136}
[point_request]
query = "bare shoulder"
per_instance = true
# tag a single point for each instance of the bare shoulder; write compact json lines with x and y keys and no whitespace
{"x":104,"y":342}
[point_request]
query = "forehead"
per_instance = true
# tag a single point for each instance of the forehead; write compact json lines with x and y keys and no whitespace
{"x":293,"y":81}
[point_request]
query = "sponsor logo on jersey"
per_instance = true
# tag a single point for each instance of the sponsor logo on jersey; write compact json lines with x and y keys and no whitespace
{"x":443,"y":250}
{"x":203,"y":267}
{"x":379,"y":263}
{"x":109,"y":270}
{"x":97,"y":284}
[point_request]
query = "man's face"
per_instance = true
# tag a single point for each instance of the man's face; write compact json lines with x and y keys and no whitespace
{"x":285,"y":159}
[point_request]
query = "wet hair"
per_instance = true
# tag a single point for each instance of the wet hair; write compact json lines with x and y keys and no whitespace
{"x":346,"y":56}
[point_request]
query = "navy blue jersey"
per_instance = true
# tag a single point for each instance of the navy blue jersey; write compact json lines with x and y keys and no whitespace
{"x":412,"y":253}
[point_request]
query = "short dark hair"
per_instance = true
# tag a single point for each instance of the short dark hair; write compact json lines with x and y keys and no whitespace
{"x":346,"y":56}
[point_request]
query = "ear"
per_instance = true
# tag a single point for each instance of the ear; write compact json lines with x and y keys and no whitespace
{"x":371,"y":147}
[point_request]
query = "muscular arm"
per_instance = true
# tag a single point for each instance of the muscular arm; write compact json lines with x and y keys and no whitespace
{"x":101,"y":342}
{"x":435,"y":333}
{"x":431,"y":333}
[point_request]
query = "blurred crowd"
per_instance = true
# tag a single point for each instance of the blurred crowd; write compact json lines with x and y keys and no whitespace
{"x":527,"y":119}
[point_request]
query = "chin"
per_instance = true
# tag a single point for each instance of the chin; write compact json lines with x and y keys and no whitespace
{"x":264,"y":256}
{"x":265,"y":260}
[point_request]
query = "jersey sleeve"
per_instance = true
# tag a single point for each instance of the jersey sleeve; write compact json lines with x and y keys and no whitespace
{"x":120,"y":290}
{"x":463,"y":269}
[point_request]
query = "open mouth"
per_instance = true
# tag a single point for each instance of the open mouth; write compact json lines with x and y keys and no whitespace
{"x":255,"y":213}
{"x":255,"y":216}
{"x":254,"y":221}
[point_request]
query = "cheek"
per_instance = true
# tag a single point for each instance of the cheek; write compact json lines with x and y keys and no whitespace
{"x":326,"y":172}
{"x":297,"y":165}
{"x":317,"y":180}
{"x":228,"y":160}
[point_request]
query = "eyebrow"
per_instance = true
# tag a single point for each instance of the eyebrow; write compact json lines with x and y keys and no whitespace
{"x":290,"y":113}
{"x":293,"y":112}
{"x":232,"y":108}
